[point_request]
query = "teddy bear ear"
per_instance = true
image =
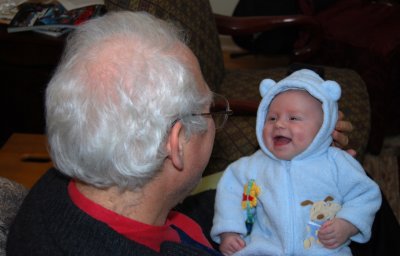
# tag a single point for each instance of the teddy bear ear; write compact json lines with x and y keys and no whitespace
{"x":266,"y":85}
{"x":333,"y":89}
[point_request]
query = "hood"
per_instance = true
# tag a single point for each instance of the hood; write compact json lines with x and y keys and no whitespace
{"x":328,"y":92}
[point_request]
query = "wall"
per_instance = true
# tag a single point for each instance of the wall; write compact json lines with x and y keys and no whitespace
{"x":223,"y":6}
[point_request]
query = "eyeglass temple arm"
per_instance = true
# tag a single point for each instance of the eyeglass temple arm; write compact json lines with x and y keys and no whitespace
{"x":244,"y":107}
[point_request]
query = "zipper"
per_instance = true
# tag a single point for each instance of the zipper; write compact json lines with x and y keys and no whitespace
{"x":292,"y":213}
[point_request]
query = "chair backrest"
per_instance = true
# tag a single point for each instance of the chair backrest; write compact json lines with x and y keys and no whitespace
{"x":11,"y":197}
{"x":197,"y":19}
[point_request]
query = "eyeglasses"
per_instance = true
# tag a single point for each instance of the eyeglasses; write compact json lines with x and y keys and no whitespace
{"x":219,"y":111}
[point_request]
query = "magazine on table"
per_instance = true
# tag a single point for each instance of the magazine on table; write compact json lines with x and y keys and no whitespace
{"x":52,"y":19}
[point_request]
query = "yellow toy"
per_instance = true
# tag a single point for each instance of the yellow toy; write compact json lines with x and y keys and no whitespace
{"x":249,"y":202}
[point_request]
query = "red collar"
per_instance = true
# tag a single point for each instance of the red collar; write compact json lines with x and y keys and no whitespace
{"x":151,"y":236}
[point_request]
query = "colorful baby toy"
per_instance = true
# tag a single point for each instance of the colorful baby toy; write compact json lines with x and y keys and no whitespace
{"x":249,"y":203}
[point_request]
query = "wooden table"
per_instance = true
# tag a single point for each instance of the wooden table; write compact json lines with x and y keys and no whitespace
{"x":24,"y":158}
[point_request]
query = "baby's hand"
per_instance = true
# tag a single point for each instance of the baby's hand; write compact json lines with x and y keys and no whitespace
{"x":231,"y":243}
{"x":335,"y":232}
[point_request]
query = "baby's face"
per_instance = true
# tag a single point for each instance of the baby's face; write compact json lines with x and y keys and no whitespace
{"x":293,"y":120}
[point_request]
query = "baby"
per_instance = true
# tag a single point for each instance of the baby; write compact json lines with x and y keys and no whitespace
{"x":297,"y":195}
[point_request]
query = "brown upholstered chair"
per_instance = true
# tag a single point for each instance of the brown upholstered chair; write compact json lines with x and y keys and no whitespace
{"x":241,"y":86}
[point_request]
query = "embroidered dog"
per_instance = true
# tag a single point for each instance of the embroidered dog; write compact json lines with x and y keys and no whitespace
{"x":321,"y":211}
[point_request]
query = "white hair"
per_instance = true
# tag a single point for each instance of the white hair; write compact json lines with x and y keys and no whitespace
{"x":110,"y":105}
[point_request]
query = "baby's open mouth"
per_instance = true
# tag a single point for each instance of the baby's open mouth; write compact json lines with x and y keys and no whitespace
{"x":281,"y":140}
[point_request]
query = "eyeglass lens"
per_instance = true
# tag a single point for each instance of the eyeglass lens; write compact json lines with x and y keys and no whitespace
{"x":218,"y":110}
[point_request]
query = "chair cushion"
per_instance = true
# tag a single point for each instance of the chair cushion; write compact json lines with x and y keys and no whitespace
{"x":201,"y":29}
{"x":11,"y":197}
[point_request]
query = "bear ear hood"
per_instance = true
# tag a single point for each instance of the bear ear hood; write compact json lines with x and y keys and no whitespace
{"x":265,"y":86}
{"x":328,"y":92}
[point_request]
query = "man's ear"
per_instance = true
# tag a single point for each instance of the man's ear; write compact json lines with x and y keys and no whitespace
{"x":175,"y":146}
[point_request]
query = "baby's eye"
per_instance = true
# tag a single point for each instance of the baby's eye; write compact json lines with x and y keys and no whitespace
{"x":294,"y":118}
{"x":271,"y":118}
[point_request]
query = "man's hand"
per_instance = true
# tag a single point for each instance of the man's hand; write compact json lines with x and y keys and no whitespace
{"x":231,"y":243}
{"x":335,"y":232}
{"x":340,"y":138}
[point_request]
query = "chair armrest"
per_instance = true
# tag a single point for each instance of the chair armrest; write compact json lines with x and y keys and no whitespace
{"x":245,"y":26}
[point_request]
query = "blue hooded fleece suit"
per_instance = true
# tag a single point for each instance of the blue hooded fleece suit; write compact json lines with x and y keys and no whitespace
{"x":321,"y":176}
